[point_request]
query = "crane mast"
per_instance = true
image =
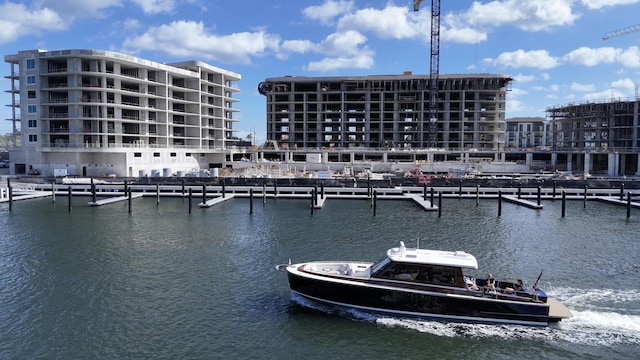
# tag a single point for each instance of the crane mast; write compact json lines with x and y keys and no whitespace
{"x":434,"y":70}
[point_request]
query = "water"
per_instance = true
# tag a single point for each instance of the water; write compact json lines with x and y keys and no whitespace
{"x":99,"y":282}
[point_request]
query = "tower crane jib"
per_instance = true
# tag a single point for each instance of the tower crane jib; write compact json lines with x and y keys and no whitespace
{"x":621,"y":32}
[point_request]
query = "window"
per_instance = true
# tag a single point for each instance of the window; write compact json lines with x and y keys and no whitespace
{"x":172,"y":154}
{"x":31,"y":94}
{"x":31,"y":63}
{"x":33,"y":123}
{"x":31,"y":79}
{"x":31,"y":109}
{"x":33,"y":137}
{"x":156,"y":154}
{"x":137,"y":154}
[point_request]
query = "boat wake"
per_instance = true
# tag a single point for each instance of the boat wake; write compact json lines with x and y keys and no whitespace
{"x":600,"y":318}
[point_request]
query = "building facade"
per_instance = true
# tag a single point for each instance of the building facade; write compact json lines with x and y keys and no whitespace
{"x":527,"y":132}
{"x":607,"y":134}
{"x":385,"y":111}
{"x":96,"y":113}
{"x":596,"y":125}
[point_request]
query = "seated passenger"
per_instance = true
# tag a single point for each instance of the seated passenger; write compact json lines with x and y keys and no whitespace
{"x":471,"y":283}
{"x":491,"y":283}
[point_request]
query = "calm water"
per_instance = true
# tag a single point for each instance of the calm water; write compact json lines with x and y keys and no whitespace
{"x":165,"y":284}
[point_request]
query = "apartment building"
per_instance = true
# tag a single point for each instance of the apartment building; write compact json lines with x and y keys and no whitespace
{"x":596,"y":125}
{"x":527,"y":132}
{"x":607,"y":133}
{"x":97,"y":113}
{"x":385,"y":111}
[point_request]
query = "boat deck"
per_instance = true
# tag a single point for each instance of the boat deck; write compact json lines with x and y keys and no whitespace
{"x":557,"y":310}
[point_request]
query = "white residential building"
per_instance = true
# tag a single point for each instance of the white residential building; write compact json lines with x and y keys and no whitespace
{"x":101,"y":113}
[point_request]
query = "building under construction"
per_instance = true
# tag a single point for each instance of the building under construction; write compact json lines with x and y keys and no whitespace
{"x":607,"y":132}
{"x":386,"y":111}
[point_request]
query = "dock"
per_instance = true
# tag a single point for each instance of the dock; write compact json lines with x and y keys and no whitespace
{"x":216,"y":200}
{"x":114,"y":199}
{"x":616,"y":201}
{"x":523,"y":202}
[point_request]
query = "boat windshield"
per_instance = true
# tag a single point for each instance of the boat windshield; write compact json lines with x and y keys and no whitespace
{"x":379,"y":265}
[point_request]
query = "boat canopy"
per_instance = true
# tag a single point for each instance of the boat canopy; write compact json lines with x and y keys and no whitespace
{"x":433,"y":257}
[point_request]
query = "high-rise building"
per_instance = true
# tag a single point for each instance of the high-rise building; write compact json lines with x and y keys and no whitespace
{"x":385,"y":111}
{"x":92,"y":113}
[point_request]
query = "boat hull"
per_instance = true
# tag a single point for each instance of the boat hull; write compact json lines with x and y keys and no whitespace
{"x":391,"y":299}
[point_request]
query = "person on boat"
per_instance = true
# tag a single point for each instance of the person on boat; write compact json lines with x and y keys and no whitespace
{"x":491,"y":283}
{"x":471,"y":283}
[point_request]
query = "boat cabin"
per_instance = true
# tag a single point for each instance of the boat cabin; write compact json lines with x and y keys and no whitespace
{"x":425,"y":266}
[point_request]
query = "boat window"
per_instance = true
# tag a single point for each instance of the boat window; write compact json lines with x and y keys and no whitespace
{"x":379,"y":265}
{"x":420,"y":273}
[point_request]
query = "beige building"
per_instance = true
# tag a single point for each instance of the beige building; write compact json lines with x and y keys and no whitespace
{"x":385,"y":111}
{"x":96,"y":113}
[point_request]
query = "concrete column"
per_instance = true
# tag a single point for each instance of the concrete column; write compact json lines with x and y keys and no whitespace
{"x":569,"y":162}
{"x":352,"y":157}
{"x":325,"y":157}
{"x":588,"y":163}
{"x":528,"y":158}
{"x":503,"y":157}
{"x":384,"y":157}
{"x":612,"y":166}
{"x":430,"y":158}
{"x":554,"y":159}
{"x":638,"y":166}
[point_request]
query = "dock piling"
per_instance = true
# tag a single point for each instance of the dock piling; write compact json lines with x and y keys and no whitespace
{"x":375,"y":201}
{"x":129,"y":200}
{"x":432,"y":191}
{"x":251,"y":201}
{"x":628,"y":204}
{"x":190,"y":199}
{"x":539,"y":194}
{"x":204,"y":193}
{"x":439,"y":204}
{"x":499,"y":203}
{"x":69,"y":195}
{"x":564,"y":202}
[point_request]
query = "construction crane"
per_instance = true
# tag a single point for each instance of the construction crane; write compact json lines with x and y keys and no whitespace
{"x":621,"y":32}
{"x":434,"y":70}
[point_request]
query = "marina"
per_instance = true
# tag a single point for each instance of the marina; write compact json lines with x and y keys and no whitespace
{"x":424,"y":197}
{"x":100,"y":282}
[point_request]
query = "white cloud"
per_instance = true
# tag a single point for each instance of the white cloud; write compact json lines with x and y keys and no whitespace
{"x":592,"y":57}
{"x":529,"y":15}
{"x":156,"y":6}
{"x":17,"y":20}
{"x":630,"y":57}
{"x":342,"y":43}
{"x":362,"y":61}
{"x":74,"y":9}
{"x":327,"y":11}
{"x":195,"y":41}
{"x":598,"y":4}
{"x":539,"y":59}
{"x":523,"y":78}
{"x":390,"y":22}
{"x":581,"y":87}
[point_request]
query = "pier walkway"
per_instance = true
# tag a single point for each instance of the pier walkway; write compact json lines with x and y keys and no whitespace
{"x":422,"y":196}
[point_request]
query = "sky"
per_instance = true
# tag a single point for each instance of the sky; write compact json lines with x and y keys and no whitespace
{"x":553,"y":49}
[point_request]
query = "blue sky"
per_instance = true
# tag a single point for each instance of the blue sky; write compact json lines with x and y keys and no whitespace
{"x":552,"y":48}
